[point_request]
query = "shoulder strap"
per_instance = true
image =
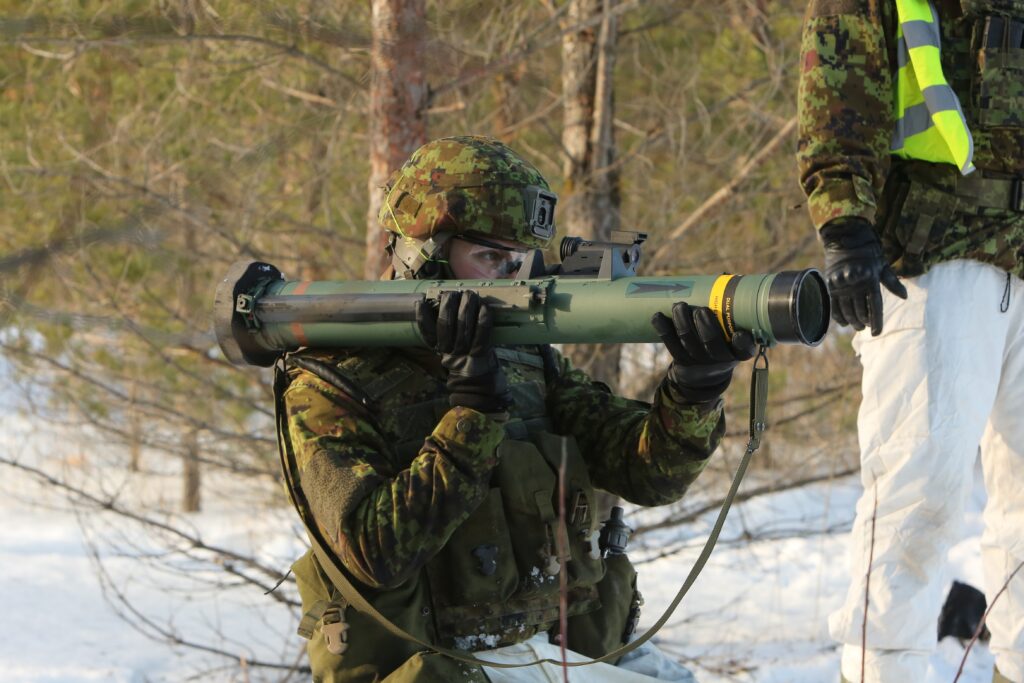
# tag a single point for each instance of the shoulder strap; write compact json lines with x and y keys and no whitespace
{"x":333,"y":377}
{"x":552,"y":371}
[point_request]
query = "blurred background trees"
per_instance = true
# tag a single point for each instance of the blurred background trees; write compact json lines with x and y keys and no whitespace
{"x":148,"y":144}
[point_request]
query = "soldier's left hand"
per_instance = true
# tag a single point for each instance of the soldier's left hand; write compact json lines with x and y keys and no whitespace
{"x":702,"y":357}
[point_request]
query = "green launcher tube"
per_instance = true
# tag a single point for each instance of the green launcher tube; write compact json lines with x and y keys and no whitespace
{"x":259,"y":315}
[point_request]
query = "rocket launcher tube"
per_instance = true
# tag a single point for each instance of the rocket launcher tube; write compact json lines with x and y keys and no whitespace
{"x":259,"y":315}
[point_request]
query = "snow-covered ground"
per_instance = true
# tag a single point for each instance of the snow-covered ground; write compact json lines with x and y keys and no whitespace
{"x":758,"y":611}
{"x":756,"y":614}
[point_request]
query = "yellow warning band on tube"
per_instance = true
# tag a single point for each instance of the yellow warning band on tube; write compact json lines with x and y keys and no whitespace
{"x":716,"y":302}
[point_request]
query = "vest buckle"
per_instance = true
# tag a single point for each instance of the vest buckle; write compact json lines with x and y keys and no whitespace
{"x":1017,"y":195}
{"x":335,"y":630}
{"x":580,"y":509}
{"x":633,"y":617}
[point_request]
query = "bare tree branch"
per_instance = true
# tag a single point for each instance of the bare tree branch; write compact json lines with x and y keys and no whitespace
{"x":715,"y":201}
{"x":192,"y":541}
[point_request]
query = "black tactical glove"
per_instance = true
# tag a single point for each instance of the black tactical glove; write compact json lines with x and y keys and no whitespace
{"x":702,"y":358}
{"x":459,"y":328}
{"x":854,"y":271}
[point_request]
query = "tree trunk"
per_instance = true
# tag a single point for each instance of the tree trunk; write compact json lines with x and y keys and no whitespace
{"x":191,"y":473}
{"x":589,"y":205}
{"x":590,"y":202}
{"x":398,"y":91}
{"x":190,"y":495}
{"x":134,"y":429}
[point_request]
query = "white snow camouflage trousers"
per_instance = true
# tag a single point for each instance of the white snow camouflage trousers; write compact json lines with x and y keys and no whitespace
{"x":945,"y":375}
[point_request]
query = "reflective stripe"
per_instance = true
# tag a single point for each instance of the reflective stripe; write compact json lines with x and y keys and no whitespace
{"x":918,"y":118}
{"x":915,"y":120}
{"x":920,"y":34}
{"x":916,"y":33}
{"x":941,"y":98}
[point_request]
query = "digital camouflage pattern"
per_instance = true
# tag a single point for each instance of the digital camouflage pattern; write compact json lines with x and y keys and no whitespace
{"x":924,"y":213}
{"x":387,"y":508}
{"x":462,"y":184}
{"x":347,"y":465}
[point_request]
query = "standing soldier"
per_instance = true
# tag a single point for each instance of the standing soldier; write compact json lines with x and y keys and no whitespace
{"x":911,"y":154}
{"x":431,"y":475}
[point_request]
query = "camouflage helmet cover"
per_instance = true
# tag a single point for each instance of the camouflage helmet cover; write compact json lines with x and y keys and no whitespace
{"x":469,"y":184}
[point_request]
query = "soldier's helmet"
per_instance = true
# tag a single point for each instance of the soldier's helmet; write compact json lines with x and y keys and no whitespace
{"x":463,"y":185}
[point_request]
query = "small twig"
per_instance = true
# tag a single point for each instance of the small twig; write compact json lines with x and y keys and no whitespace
{"x":563,"y":575}
{"x":279,"y":582}
{"x":149,"y":628}
{"x":191,"y":541}
{"x":80,"y":44}
{"x":984,"y":618}
{"x":668,"y":247}
{"x":774,"y":487}
{"x":867,"y":589}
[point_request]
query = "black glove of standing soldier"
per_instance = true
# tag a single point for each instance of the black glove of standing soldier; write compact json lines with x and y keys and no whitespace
{"x":855,"y":271}
{"x":702,"y":358}
{"x":459,"y":330}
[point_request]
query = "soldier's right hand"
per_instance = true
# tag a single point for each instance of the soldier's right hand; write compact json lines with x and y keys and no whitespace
{"x":458,"y":327}
{"x":855,"y":272}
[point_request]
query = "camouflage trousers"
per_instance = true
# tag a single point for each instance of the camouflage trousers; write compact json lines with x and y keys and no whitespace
{"x":945,"y":375}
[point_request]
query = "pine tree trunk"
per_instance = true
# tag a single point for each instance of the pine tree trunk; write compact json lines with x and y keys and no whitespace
{"x":191,"y":491}
{"x":134,"y":429}
{"x":191,"y":473}
{"x":398,"y":92}
{"x":590,"y":203}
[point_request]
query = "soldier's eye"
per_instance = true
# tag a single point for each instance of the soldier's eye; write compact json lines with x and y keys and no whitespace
{"x":492,"y":257}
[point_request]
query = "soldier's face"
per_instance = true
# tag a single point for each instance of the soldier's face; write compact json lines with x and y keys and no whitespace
{"x":486,"y":259}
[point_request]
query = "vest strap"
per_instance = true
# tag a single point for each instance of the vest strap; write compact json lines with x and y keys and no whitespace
{"x":328,"y":612}
{"x":992,"y":193}
{"x":333,"y":377}
{"x":516,"y":356}
{"x":311,"y":618}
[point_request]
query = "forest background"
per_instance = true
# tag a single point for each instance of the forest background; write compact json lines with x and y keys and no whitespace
{"x":146,"y":145}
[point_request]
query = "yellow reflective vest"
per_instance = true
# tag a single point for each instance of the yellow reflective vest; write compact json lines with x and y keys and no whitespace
{"x":930,"y":123}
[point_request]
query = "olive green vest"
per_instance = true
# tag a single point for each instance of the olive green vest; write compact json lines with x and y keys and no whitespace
{"x":496,"y":580}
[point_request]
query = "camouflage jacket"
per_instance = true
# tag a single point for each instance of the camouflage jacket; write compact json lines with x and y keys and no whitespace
{"x":387,"y":509}
{"x":846,"y":120}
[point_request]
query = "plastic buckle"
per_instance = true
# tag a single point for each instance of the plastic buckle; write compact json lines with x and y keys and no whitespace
{"x":335,"y":630}
{"x":580,"y":510}
{"x":633,"y":617}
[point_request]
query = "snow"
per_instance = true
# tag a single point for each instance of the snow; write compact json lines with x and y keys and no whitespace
{"x":758,"y":611}
{"x":61,"y":619}
{"x":756,"y":614}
